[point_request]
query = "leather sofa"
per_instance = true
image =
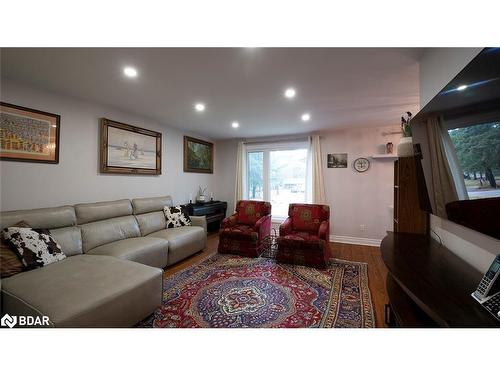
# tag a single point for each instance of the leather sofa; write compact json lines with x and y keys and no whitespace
{"x":112,"y":276}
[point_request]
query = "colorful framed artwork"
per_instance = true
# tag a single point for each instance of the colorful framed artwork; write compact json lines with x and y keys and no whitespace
{"x":127,"y":149}
{"x":337,"y":160}
{"x":198,"y":155}
{"x":28,"y":134}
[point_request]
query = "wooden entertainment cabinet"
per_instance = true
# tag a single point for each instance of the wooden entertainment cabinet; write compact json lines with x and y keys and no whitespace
{"x":429,"y":286}
{"x":408,"y":217}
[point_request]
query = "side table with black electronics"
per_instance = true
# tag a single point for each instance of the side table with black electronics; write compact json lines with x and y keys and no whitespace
{"x":215,"y":212}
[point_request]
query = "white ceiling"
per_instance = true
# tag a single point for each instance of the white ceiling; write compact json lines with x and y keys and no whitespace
{"x":340,"y":87}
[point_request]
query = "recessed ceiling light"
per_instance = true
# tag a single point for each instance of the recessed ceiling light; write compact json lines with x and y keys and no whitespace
{"x":461,"y":88}
{"x":200,"y":107}
{"x":235,"y":124}
{"x":290,"y":93}
{"x":130,"y":72}
{"x":306,"y":117}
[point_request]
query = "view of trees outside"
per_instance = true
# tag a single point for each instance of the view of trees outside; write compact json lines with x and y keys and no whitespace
{"x":287,"y":178}
{"x":478,"y":151}
{"x":255,"y":175}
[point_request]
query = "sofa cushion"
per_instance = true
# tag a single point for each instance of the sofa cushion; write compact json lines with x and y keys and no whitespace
{"x":146,"y":250}
{"x":89,"y":212}
{"x":85,"y":291}
{"x":105,"y":231}
{"x":70,"y":239}
{"x":176,"y":216}
{"x":145,"y":205}
{"x":46,"y":218}
{"x":182,"y":241}
{"x":35,"y":247}
{"x":10,"y":263}
{"x":151,"y":222}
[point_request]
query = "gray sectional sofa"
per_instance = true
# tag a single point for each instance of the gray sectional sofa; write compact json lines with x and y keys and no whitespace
{"x":112,"y":276}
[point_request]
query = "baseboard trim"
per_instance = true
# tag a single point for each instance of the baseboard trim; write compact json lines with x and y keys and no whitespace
{"x":355,"y":240}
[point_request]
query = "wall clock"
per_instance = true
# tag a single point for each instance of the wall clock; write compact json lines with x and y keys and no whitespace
{"x":361,"y":164}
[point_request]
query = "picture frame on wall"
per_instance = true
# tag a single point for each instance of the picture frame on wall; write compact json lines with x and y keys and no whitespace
{"x":128,"y":149}
{"x":337,"y":160}
{"x":29,"y":135}
{"x":198,"y":155}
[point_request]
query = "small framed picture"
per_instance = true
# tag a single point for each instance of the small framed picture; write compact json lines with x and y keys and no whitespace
{"x":337,"y":161}
{"x":28,"y":134}
{"x":198,"y":155}
{"x":127,"y":149}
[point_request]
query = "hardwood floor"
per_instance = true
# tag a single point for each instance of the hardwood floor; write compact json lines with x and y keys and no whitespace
{"x":377,"y":273}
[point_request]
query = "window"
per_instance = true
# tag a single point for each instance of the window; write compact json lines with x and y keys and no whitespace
{"x":478,"y":151}
{"x":278,"y":174}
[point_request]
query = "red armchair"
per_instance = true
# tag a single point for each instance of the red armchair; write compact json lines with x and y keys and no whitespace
{"x":305,"y":235}
{"x":243,"y":232}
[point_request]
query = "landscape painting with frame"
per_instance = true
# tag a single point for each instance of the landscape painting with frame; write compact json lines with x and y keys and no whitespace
{"x":28,"y":134}
{"x":198,"y":155}
{"x":128,"y":149}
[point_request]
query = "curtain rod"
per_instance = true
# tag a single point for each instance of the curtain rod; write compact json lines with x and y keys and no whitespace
{"x":295,"y":139}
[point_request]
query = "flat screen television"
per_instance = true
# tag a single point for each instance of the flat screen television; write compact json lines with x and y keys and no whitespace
{"x":456,"y":139}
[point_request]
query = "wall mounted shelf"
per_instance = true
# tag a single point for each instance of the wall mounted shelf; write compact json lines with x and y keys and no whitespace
{"x":385,"y":157}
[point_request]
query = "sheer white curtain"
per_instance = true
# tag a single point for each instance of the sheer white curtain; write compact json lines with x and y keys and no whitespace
{"x":240,"y":182}
{"x":315,"y":184}
{"x":447,"y":176}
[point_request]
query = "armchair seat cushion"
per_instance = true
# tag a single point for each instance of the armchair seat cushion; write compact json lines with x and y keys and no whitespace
{"x":302,"y":236}
{"x":240,"y":232}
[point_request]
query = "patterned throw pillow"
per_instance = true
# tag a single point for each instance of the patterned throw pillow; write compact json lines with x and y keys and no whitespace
{"x":176,"y":216}
{"x":35,"y":247}
{"x":10,"y":262}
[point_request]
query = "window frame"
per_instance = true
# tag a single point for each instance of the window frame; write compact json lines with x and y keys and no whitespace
{"x":266,"y":149}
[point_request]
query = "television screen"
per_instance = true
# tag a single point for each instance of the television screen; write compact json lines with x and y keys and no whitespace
{"x":456,"y":137}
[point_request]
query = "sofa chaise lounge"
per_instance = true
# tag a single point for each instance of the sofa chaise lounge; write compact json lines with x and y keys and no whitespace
{"x":112,"y":276}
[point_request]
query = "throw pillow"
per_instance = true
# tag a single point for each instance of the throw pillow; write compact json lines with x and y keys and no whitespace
{"x":35,"y":247}
{"x":176,"y":216}
{"x":10,"y":263}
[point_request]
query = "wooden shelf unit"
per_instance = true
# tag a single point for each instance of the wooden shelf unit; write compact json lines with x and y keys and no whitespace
{"x":408,"y":217}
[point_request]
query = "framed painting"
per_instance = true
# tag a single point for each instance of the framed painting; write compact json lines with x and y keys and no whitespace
{"x":28,"y":134}
{"x":127,"y":149}
{"x":337,"y":160}
{"x":198,"y":155}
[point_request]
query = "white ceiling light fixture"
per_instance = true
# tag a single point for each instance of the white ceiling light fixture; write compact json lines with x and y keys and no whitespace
{"x":305,"y":117}
{"x":462,"y":87}
{"x":130,"y":72}
{"x":235,"y":124}
{"x":290,"y":93}
{"x":199,"y":107}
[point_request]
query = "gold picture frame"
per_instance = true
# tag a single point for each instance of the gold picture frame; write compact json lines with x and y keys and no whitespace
{"x":128,"y":149}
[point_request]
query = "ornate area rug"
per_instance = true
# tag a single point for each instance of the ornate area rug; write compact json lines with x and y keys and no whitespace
{"x":228,"y":291}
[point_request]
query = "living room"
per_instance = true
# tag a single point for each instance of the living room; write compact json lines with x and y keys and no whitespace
{"x":237,"y":187}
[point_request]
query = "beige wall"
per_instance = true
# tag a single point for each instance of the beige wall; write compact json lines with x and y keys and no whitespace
{"x":438,"y":66}
{"x":355,"y":199}
{"x":76,"y":178}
